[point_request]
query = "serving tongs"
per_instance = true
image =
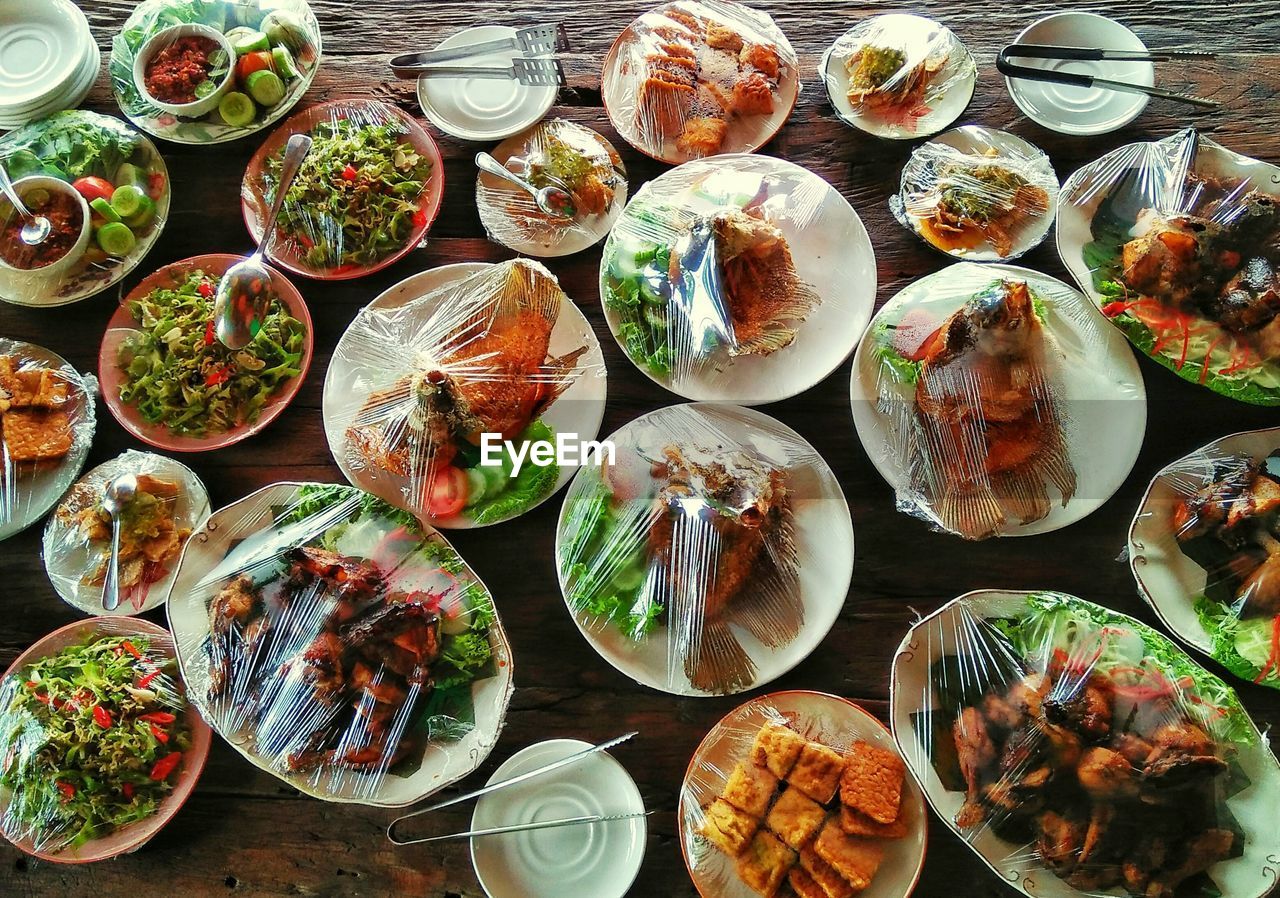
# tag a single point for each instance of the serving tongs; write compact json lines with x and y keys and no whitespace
{"x":539,"y":40}
{"x":503,"y":784}
{"x":1090,"y":54}
{"x":538,"y":71}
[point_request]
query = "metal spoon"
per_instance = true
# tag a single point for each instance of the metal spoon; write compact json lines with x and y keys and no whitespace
{"x":553,"y":201}
{"x":118,"y":494}
{"x":243,"y":293}
{"x":36,"y":227}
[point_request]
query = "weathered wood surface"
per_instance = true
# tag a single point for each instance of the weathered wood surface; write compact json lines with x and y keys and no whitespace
{"x":242,"y":832}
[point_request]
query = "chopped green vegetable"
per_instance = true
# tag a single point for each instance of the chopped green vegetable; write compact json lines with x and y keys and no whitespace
{"x":510,"y":495}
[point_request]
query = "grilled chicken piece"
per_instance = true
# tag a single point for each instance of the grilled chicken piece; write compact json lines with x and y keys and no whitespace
{"x":1202,"y":852}
{"x":1181,"y":753}
{"x":322,"y":665}
{"x":404,"y":637}
{"x":232,"y":604}
{"x":347,"y":579}
{"x":1087,"y":709}
{"x":1107,"y":775}
{"x":1060,"y":841}
{"x":1170,"y":261}
{"x":976,"y":752}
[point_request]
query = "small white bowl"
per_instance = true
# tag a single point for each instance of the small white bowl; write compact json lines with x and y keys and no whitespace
{"x":54,"y":185}
{"x":1081,"y":110}
{"x":161,"y":39}
{"x":483,"y":109}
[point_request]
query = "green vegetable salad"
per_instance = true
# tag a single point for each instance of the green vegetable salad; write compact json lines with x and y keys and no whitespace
{"x":636,"y":287}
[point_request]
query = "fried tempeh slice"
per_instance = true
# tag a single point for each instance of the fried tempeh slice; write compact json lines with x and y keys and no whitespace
{"x":36,"y":435}
{"x":728,"y":828}
{"x":817,"y":772}
{"x":750,"y":788}
{"x":795,"y":817}
{"x":855,"y":859}
{"x":872,"y":781}
{"x":856,"y":823}
{"x":777,"y":747}
{"x":804,"y":885}
{"x":765,"y":863}
{"x":831,"y":882}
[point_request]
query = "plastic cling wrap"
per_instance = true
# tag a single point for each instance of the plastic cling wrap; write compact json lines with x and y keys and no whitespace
{"x":47,"y":420}
{"x":364,"y":196}
{"x":805,"y":790}
{"x":340,"y":644}
{"x":1178,"y":242}
{"x":1205,"y":553}
{"x":209,"y":71}
{"x":105,"y":191}
{"x":556,"y":154}
{"x":427,"y":376}
{"x":710,"y":555}
{"x":694,"y":78}
{"x":978,"y":194}
{"x":995,"y":403}
{"x":743,"y":278}
{"x":899,"y":76}
{"x":1079,"y":752}
{"x":170,"y":501}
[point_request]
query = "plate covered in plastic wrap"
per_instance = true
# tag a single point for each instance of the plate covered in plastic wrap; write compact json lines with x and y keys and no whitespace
{"x":47,"y":420}
{"x":899,"y":76}
{"x":1204,"y":551}
{"x":978,"y":194}
{"x":446,"y":390}
{"x":101,"y":746}
{"x":710,"y":554}
{"x":169,"y":503}
{"x":694,"y":78}
{"x":1079,"y":752}
{"x":995,"y":403}
{"x":364,"y":197}
{"x":803,"y":789}
{"x":560,"y":154}
{"x":339,"y":644}
{"x":1176,"y":241}
{"x":104,"y":189}
{"x":745,"y":279}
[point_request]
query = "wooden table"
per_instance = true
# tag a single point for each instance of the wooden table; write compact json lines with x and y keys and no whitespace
{"x":243,"y":832}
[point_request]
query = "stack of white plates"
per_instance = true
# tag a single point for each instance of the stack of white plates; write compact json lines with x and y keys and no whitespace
{"x":48,"y":59}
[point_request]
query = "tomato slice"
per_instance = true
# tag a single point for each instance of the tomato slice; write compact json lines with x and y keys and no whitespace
{"x":914,"y":334}
{"x":447,"y":493}
{"x":92,"y":188}
{"x":252,"y":62}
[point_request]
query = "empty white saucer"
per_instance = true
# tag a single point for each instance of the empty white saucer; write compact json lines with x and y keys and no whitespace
{"x":483,"y":108}
{"x":48,"y":59}
{"x":1081,"y":110}
{"x":597,"y":859}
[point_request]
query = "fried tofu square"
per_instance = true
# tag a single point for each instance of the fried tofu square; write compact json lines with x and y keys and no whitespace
{"x":795,"y":817}
{"x":804,"y":885}
{"x":723,"y":37}
{"x":817,"y":772}
{"x":765,"y":863}
{"x":728,"y":828}
{"x":702,"y":136}
{"x":853,"y":858}
{"x":872,"y":781}
{"x":833,"y":885}
{"x":33,"y":387}
{"x":856,"y":823}
{"x":776,"y":747}
{"x":750,"y":788}
{"x":36,"y":435}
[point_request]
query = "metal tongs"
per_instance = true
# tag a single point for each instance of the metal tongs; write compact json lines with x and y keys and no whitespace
{"x":535,"y":66}
{"x":502,"y":784}
{"x":1089,"y":54}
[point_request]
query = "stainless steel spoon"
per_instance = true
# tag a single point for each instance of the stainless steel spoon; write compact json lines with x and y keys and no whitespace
{"x":553,"y":201}
{"x":35,"y":228}
{"x":118,"y":494}
{"x":244,"y":294}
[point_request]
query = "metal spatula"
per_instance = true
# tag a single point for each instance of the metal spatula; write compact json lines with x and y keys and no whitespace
{"x":543,"y":71}
{"x":540,"y":40}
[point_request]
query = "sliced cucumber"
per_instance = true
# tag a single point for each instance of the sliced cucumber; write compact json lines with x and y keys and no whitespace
{"x":497,"y":477}
{"x":248,"y":13}
{"x":100,"y":205}
{"x":283,"y":30}
{"x":128,"y":173}
{"x":649,"y":293}
{"x":116,"y":239}
{"x":140,"y":219}
{"x":454,"y":624}
{"x":629,"y":578}
{"x":250,"y":42}
{"x":477,"y":484}
{"x":283,"y":62}
{"x":126,"y":200}
{"x":238,"y":33}
{"x":237,"y":110}
{"x":265,"y":87}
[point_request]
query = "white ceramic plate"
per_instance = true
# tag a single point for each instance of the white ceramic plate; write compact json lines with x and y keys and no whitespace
{"x":1081,"y":110}
{"x":579,"y":409}
{"x":828,"y":244}
{"x":835,"y":722}
{"x":1169,"y":580}
{"x":43,"y":47}
{"x":1249,"y":876}
{"x":823,"y":535}
{"x":596,"y":859}
{"x":68,"y":559}
{"x":482,"y":108}
{"x":1101,"y":395}
{"x":958,"y":77}
{"x":231,"y":535}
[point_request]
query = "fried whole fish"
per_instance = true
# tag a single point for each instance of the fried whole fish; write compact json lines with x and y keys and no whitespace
{"x":991,"y":435}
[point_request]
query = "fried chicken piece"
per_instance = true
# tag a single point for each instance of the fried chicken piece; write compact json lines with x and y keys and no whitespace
{"x":702,"y":135}
{"x":763,"y":58}
{"x":752,"y":95}
{"x":721,"y":36}
{"x":1106,"y":775}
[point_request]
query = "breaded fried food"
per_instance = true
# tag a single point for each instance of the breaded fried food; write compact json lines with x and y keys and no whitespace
{"x":32,"y":387}
{"x":776,"y":747}
{"x":728,"y":828}
{"x":752,"y":95}
{"x":663,"y":104}
{"x":763,"y":59}
{"x":36,"y":434}
{"x":856,"y":823}
{"x":795,"y":817}
{"x":833,"y":885}
{"x":723,"y":37}
{"x":804,"y":885}
{"x":872,"y":781}
{"x":765,"y":862}
{"x":702,"y":136}
{"x":817,"y":771}
{"x":853,"y":858}
{"x":750,"y":788}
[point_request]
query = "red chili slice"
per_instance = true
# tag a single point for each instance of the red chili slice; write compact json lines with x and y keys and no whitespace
{"x":165,"y":766}
{"x":102,"y":717}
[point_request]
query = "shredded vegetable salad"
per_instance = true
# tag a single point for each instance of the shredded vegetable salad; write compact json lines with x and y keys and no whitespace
{"x":356,"y":197}
{"x":92,"y":737}
{"x":179,"y":375}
